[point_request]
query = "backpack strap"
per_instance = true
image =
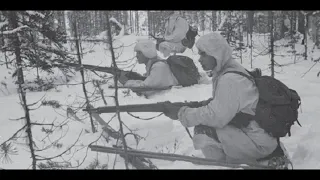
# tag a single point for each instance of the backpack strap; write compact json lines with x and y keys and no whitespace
{"x":153,"y":62}
{"x":242,"y":74}
{"x":242,"y":119}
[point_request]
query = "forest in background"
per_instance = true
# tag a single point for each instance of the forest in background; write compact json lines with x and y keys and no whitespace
{"x":41,"y":40}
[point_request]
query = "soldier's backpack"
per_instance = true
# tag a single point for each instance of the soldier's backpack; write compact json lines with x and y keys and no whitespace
{"x":190,"y":38}
{"x":277,"y":108}
{"x":184,"y":70}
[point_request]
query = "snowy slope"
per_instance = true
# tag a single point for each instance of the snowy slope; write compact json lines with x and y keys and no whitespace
{"x":161,"y":133}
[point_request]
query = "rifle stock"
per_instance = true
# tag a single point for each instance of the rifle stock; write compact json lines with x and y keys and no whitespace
{"x":129,"y":74}
{"x":153,"y":107}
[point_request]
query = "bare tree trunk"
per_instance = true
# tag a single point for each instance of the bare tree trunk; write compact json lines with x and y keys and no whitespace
{"x":301,"y":22}
{"x":88,"y":26}
{"x":219,"y":18}
{"x":240,"y":27}
{"x":36,"y":54}
{"x":63,"y":18}
{"x":96,"y":23}
{"x":214,"y":21}
{"x":152,"y":22}
{"x":102,"y":26}
{"x":250,"y":19}
{"x":317,"y":24}
{"x":291,"y":23}
{"x":283,"y":27}
{"x":297,"y":21}
{"x":196,"y":17}
{"x":202,"y":20}
{"x":125,"y":18}
{"x":116,"y":90}
{"x":81,"y":70}
{"x":13,"y":22}
{"x":306,"y":37}
{"x":240,"y":32}
{"x":271,"y":42}
{"x":3,"y":43}
{"x":292,"y":27}
{"x":131,"y":22}
{"x":137,"y":21}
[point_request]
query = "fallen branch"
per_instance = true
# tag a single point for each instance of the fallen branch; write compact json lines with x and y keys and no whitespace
{"x":175,"y":157}
{"x":310,"y":69}
{"x":137,"y":162}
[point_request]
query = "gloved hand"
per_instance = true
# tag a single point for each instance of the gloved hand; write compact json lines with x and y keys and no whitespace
{"x":171,"y":110}
{"x":122,"y":78}
{"x":136,"y":91}
{"x":206,"y":102}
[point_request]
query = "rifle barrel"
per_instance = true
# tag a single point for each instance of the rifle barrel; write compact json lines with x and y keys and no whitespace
{"x":129,"y":74}
{"x":91,"y":67}
{"x":156,"y":107}
{"x":142,"y":88}
{"x":153,"y":107}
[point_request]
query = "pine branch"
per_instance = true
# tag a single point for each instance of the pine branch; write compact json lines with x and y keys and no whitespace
{"x":81,"y":71}
{"x":14,"y":135}
{"x":116,"y":88}
{"x":42,"y":158}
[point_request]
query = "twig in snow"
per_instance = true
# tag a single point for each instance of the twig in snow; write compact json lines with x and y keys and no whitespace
{"x":310,"y":69}
{"x":62,"y":152}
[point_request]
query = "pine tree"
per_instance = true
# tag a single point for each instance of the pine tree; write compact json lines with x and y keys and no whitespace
{"x":40,"y":43}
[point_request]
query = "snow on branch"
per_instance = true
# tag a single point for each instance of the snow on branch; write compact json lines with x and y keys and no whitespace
{"x":35,"y":13}
{"x":2,"y":24}
{"x":51,"y":49}
{"x":14,"y":30}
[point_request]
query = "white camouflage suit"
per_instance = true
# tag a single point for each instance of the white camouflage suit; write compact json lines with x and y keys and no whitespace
{"x":176,"y":30}
{"x":158,"y":74}
{"x":231,"y":93}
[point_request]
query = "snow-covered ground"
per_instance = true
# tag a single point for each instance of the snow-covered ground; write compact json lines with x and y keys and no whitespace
{"x":161,"y":133}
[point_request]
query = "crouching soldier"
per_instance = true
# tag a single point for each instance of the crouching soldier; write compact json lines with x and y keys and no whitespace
{"x":176,"y":29}
{"x":215,"y":134}
{"x":158,"y":73}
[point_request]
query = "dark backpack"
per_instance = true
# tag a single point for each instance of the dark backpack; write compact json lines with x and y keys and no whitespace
{"x":184,"y":70}
{"x":277,"y":108}
{"x":190,"y":38}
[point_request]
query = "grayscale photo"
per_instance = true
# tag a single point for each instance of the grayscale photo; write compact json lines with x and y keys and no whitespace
{"x":159,"y":89}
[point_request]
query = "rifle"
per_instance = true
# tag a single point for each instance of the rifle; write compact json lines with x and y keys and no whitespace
{"x":239,"y":120}
{"x":129,"y":74}
{"x":153,"y":107}
{"x":177,"y":157}
{"x":140,"y":89}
